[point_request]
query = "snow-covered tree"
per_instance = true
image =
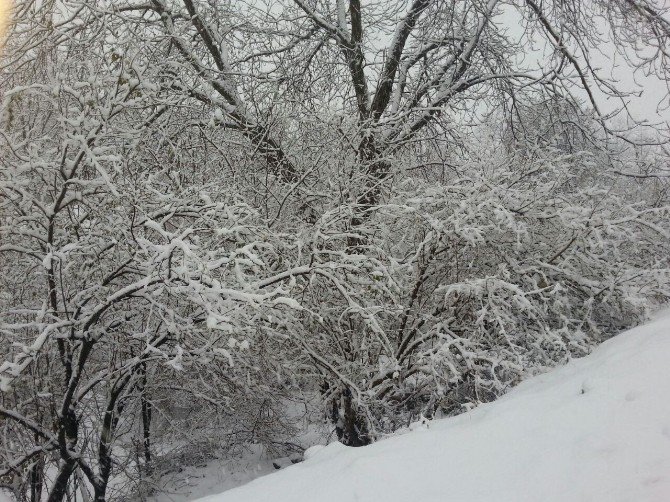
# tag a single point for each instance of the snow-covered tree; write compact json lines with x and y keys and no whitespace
{"x":381,"y":203}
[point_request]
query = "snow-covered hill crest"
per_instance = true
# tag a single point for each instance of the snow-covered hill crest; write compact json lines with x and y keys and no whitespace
{"x":595,"y":430}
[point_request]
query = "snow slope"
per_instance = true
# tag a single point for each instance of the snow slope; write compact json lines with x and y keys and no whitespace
{"x":595,"y":430}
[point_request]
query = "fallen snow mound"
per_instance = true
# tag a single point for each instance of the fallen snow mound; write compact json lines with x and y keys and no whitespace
{"x":597,"y":429}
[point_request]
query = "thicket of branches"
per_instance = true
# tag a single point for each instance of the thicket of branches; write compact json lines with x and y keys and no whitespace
{"x":211,"y":208}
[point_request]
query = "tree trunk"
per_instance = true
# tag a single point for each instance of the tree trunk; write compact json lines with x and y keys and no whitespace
{"x":146,"y":421}
{"x":376,"y":169}
{"x":62,"y":479}
{"x":37,"y":477}
{"x":350,"y":427}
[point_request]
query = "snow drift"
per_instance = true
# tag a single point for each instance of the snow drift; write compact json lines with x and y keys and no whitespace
{"x":597,"y":429}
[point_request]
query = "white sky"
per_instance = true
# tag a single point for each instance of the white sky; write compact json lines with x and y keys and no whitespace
{"x":649,"y":98}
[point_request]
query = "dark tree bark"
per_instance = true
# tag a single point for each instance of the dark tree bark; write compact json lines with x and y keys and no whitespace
{"x":146,"y":420}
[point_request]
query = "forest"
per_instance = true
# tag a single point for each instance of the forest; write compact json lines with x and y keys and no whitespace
{"x":213,"y":212}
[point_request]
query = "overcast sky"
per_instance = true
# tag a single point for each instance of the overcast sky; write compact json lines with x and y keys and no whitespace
{"x":650,"y":99}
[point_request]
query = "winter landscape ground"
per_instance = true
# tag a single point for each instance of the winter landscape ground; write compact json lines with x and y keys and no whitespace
{"x":595,"y":430}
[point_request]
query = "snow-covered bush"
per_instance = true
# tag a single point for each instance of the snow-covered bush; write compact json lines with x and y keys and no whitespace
{"x":471,"y":285}
{"x":129,"y":289}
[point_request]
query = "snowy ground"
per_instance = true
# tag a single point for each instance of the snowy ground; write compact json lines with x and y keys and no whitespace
{"x":230,"y":471}
{"x":214,"y":476}
{"x":595,"y":430}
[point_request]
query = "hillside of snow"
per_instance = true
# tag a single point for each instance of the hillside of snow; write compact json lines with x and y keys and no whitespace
{"x":597,"y":429}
